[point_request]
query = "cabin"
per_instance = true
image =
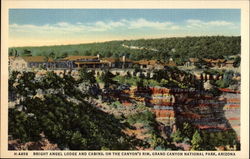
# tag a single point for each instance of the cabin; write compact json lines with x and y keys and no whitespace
{"x":220,"y":63}
{"x":191,"y":62}
{"x":150,"y":64}
{"x":119,"y":62}
{"x":170,"y":63}
{"x":111,"y":62}
{"x":125,"y":63}
{"x":229,"y":63}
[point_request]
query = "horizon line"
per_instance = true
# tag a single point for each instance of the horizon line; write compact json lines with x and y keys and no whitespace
{"x":94,"y":42}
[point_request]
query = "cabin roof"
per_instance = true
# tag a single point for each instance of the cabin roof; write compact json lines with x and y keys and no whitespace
{"x":126,"y":60}
{"x":218,"y":60}
{"x":74,"y":58}
{"x":170,"y":63}
{"x":229,"y":61}
{"x":116,"y":60}
{"x":193,"y":59}
{"x":85,"y":62}
{"x":36,"y":59}
{"x":148,"y":62}
{"x":109,"y":59}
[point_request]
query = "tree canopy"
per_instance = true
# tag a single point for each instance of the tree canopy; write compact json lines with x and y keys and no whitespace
{"x":56,"y":107}
{"x":180,"y":49}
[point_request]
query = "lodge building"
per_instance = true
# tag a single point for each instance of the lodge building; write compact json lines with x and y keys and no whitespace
{"x":77,"y":62}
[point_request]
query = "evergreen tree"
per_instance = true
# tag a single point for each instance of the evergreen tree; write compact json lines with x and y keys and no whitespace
{"x":237,"y":61}
{"x":188,"y":130}
{"x":177,"y":136}
{"x":107,"y":78}
{"x":11,"y":52}
{"x":52,"y":55}
{"x":196,"y":141}
{"x":26,"y":53}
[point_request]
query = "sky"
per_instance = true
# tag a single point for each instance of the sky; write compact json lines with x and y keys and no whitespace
{"x":37,"y":27}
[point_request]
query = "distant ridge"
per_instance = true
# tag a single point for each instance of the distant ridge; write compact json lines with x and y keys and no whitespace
{"x":176,"y":47}
{"x":98,"y":42}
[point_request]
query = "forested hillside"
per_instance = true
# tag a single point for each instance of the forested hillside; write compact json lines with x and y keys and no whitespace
{"x":179,"y":48}
{"x":63,"y":114}
{"x":105,"y":113}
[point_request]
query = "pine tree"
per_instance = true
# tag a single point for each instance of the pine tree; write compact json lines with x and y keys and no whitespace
{"x":26,"y":53}
{"x":107,"y":78}
{"x":177,"y":136}
{"x":196,"y":141}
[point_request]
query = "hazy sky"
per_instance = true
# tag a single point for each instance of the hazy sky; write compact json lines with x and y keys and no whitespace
{"x":31,"y":27}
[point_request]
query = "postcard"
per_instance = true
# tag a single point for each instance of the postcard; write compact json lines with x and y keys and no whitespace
{"x":127,"y":79}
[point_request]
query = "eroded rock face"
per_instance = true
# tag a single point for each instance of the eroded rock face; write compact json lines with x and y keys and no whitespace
{"x":232,"y":110}
{"x":172,"y":106}
{"x":208,"y":112}
{"x":200,"y":108}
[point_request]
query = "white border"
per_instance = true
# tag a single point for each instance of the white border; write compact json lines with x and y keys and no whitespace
{"x":223,"y":4}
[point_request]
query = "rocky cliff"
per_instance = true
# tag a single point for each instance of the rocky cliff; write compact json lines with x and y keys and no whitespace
{"x":201,"y":108}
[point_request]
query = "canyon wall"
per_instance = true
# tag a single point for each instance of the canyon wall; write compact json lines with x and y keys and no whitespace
{"x":201,"y":108}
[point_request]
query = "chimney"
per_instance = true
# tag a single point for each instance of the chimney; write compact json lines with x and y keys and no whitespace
{"x":123,"y":58}
{"x":123,"y":61}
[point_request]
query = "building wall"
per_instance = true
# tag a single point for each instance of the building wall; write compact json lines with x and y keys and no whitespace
{"x":230,"y":65}
{"x":19,"y":64}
